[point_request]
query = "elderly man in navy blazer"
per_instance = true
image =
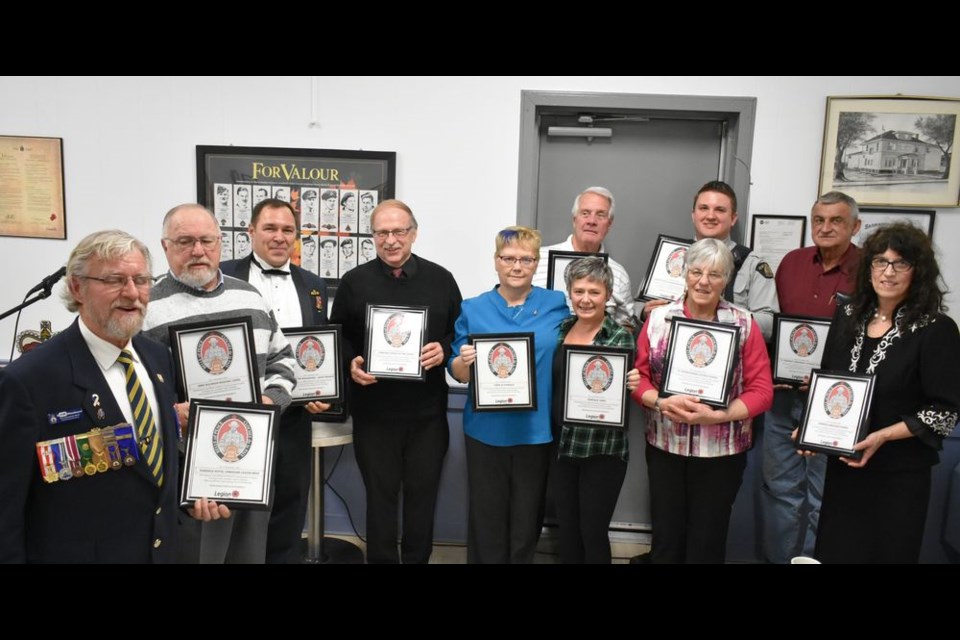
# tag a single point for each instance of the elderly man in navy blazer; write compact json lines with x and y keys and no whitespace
{"x":56,"y":504}
{"x":297,"y":298}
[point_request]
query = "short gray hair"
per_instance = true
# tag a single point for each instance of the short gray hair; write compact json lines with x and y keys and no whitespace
{"x":839,"y":197}
{"x":592,"y":268}
{"x":710,"y":252}
{"x":600,"y":191}
{"x":180,"y":207}
{"x":111,"y":244}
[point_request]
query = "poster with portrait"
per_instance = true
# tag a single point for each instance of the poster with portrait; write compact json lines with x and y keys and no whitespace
{"x":701,"y":358}
{"x":837,"y":412}
{"x":798,"y":343}
{"x":216,"y":360}
{"x":319,"y":363}
{"x":504,"y":375}
{"x":664,"y":279}
{"x":395,"y":338}
{"x":229,"y":453}
{"x":595,"y":385}
{"x":333,"y":191}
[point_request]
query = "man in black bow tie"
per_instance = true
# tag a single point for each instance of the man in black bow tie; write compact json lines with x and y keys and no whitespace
{"x":298,"y":298}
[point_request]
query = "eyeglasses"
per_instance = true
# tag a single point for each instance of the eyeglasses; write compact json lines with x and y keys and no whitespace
{"x":899,"y":265}
{"x":186,"y":243}
{"x":526,"y":261}
{"x":399,"y":234}
{"x":713,"y":277}
{"x":119,"y":282}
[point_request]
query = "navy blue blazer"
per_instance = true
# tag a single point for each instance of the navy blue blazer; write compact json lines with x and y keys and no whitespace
{"x":311,"y":289}
{"x":119,"y":516}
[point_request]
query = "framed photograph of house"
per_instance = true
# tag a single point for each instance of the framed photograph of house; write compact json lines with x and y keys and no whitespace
{"x":871,"y":218}
{"x":892,"y":150}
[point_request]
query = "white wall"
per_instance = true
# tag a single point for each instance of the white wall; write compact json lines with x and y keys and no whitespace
{"x":129,"y":146}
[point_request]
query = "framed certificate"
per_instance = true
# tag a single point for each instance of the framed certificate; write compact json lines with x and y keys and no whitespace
{"x":319,"y":369}
{"x":701,"y":357}
{"x":837,"y":412}
{"x":773,"y":237}
{"x":595,"y":385}
{"x":216,"y":360}
{"x":395,"y":338}
{"x":798,"y":343}
{"x":229,"y":453}
{"x":664,"y":279}
{"x":504,"y":376}
{"x":559,"y":261}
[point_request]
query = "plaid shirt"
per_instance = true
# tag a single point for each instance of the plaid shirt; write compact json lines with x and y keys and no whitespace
{"x":583,"y":442}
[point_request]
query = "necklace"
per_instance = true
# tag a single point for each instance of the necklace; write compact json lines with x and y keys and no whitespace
{"x":879,"y":316}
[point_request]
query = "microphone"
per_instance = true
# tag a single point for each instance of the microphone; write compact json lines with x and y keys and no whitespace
{"x":47,"y":283}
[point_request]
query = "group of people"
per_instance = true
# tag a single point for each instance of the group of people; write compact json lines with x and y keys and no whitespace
{"x":886,"y":301}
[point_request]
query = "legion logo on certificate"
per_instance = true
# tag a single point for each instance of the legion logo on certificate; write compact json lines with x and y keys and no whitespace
{"x":229,"y":453}
{"x":595,"y":385}
{"x":798,"y":346}
{"x":216,"y":360}
{"x":395,"y":338}
{"x":664,"y":279}
{"x":319,"y":370}
{"x":504,"y":376}
{"x":701,"y":358}
{"x":837,"y":412}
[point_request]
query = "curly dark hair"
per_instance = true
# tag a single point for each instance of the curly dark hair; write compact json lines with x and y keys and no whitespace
{"x":925,"y":295}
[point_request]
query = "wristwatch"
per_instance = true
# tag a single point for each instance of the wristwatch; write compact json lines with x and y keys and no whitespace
{"x":656,"y":405}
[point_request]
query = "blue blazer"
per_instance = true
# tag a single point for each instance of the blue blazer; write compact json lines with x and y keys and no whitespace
{"x":311,"y":289}
{"x":119,"y":516}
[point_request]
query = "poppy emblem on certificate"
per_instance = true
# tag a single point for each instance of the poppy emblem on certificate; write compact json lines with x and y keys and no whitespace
{"x":838,"y":400}
{"x":214,"y":352}
{"x":675,"y":261}
{"x":502,"y":360}
{"x":701,"y":349}
{"x":394,"y":331}
{"x":310,"y":353}
{"x":597,"y":374}
{"x":232,"y":438}
{"x":803,"y":340}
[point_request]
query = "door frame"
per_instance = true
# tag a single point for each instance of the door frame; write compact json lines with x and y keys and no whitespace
{"x":736,"y":115}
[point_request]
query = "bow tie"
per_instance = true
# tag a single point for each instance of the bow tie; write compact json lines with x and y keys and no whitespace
{"x":269,"y":272}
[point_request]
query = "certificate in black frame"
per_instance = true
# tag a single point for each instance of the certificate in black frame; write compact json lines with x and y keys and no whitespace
{"x":394,"y":335}
{"x":831,"y":397}
{"x":234,"y":441}
{"x":317,"y":351}
{"x":700,"y":350}
{"x":499,"y":353}
{"x":597,"y":374}
{"x":667,"y":263}
{"x":211,"y":341}
{"x":803,"y":336}
{"x":565,"y":258}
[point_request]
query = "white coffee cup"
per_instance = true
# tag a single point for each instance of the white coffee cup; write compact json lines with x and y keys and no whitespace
{"x":803,"y":560}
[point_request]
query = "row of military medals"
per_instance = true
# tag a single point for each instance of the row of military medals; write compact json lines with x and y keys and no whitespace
{"x":87,"y":454}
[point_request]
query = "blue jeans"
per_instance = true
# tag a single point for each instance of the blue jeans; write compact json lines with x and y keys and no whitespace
{"x":792,"y":484}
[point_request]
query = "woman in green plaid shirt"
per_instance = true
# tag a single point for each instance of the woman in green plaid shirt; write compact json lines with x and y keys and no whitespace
{"x":592,"y":461}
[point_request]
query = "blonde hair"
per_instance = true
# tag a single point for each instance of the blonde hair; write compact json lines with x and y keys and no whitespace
{"x":519,"y":235}
{"x":104,"y":245}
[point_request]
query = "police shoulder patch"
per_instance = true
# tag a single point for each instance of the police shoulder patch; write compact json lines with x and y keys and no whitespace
{"x":764,"y":269}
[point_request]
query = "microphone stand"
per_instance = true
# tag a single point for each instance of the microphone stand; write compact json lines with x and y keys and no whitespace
{"x":42,"y":294}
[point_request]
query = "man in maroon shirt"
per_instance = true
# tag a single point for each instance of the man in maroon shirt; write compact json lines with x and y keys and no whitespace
{"x":808,"y":282}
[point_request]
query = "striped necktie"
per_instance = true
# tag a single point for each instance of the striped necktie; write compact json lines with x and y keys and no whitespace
{"x":151,"y":449}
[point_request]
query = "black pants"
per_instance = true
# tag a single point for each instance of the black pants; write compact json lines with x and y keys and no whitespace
{"x":690,"y":503}
{"x":401,"y":455}
{"x":871,"y":516}
{"x":585,"y":492}
{"x":291,"y":486}
{"x":506,"y":487}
